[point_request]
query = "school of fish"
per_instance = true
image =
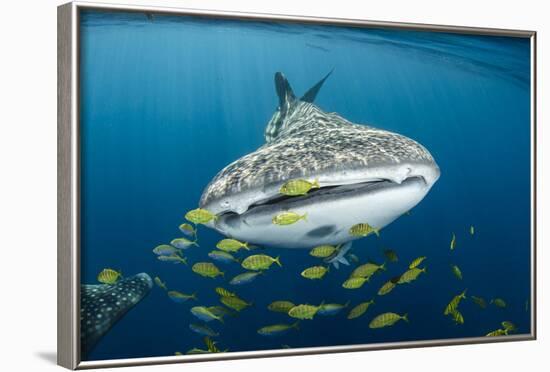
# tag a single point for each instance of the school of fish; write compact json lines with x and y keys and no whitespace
{"x":210,"y":318}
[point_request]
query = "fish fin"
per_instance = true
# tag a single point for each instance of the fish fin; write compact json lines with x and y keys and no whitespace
{"x":405,"y":317}
{"x":277,"y":261}
{"x":310,"y":95}
{"x":346,"y":247}
{"x":343,"y":261}
{"x":284,"y":91}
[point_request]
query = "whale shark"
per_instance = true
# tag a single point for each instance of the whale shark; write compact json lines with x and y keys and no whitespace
{"x":102,"y":305}
{"x":366,"y":175}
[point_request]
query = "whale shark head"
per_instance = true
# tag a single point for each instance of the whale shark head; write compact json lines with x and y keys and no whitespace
{"x":366,"y":175}
{"x":102,"y":305}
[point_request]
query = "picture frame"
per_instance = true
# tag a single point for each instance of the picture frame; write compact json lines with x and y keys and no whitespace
{"x":69,"y":167}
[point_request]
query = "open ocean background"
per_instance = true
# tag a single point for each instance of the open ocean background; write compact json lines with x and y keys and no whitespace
{"x":168,"y":102}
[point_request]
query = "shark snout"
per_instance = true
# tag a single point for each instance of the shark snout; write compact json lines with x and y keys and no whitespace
{"x":429,"y":172}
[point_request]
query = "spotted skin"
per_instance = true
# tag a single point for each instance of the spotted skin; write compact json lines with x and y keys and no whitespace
{"x":102,"y":305}
{"x":303,"y":142}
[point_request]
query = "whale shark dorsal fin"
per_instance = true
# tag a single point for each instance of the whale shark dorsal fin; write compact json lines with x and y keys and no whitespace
{"x":287,"y":104}
{"x":284,"y":91}
{"x":310,"y":95}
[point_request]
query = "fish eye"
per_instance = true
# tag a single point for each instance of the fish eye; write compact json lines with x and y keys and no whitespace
{"x":225,"y":203}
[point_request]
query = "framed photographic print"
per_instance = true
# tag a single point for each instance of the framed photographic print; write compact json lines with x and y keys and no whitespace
{"x":238,"y":185}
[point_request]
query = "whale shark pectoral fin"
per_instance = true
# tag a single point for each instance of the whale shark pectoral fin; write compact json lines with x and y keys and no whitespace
{"x":310,"y":95}
{"x":102,"y":305}
{"x":343,"y":261}
{"x":340,"y":256}
{"x":284,"y":91}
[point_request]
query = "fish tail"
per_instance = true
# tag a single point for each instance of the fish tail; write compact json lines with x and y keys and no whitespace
{"x":194,"y":296}
{"x":347,"y":304}
{"x":424,"y":270}
{"x":315,"y":184}
{"x":222,"y":274}
{"x":195,"y":242}
{"x":405,"y":317}
{"x":220,"y":319}
{"x":383,"y":267}
{"x":246,"y":246}
{"x":377,"y":232}
{"x":304,"y":217}
{"x":295,"y":325}
{"x":277,"y":261}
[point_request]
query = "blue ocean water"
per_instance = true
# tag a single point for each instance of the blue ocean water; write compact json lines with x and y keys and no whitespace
{"x":167,"y":102}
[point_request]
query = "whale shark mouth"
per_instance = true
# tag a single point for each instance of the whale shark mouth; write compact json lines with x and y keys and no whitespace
{"x":330,"y":210}
{"x":334,"y":191}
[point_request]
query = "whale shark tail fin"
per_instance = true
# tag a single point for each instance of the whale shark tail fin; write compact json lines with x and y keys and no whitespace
{"x":286,"y":94}
{"x":310,"y":95}
{"x":287,"y":103}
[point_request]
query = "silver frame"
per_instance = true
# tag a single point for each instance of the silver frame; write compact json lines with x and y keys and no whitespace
{"x":68,"y":178}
